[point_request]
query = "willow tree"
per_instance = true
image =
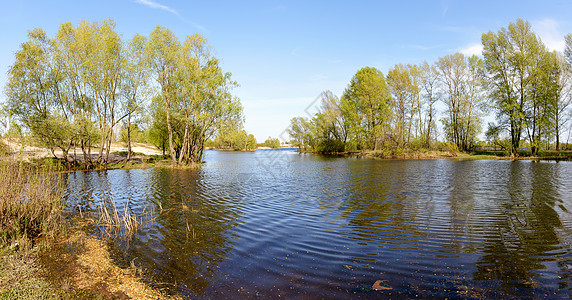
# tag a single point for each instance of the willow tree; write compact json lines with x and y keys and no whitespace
{"x":33,"y":94}
{"x":194,"y":90}
{"x":511,"y":64}
{"x":203,"y":97}
{"x":161,"y":52}
{"x":135,"y":87}
{"x":366,"y":107}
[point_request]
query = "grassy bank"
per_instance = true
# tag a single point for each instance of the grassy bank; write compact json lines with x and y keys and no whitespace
{"x":44,"y":256}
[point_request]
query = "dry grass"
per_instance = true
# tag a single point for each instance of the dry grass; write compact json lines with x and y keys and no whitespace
{"x":84,"y":267}
{"x":30,"y":204}
{"x":113,"y":224}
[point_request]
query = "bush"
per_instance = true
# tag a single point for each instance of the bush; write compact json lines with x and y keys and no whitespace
{"x":331,"y":146}
{"x":450,"y":147}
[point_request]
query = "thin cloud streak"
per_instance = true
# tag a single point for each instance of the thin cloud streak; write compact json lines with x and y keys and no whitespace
{"x":156,"y":5}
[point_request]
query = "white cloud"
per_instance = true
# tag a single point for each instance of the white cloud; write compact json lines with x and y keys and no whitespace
{"x":155,"y":5}
{"x":472,"y":49}
{"x":549,"y":32}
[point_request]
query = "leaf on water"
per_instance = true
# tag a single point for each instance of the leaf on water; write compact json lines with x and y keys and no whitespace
{"x":380,"y":286}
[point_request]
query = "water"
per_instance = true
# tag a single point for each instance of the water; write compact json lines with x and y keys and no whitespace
{"x":281,"y":224}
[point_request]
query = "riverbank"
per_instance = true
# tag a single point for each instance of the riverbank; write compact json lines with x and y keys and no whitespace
{"x":436,"y":154}
{"x":47,"y":254}
{"x":75,"y":266}
{"x":143,"y":156}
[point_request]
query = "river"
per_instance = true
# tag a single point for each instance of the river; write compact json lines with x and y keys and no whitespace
{"x":275,"y":223}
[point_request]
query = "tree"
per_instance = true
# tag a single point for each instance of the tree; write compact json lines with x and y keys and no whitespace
{"x":510,"y":64}
{"x":568,"y":49}
{"x":431,"y":94}
{"x":404,"y":81}
{"x":135,"y":84}
{"x":161,"y":53}
{"x":300,"y":132}
{"x":272,"y":143}
{"x":563,"y":113}
{"x":366,"y":107}
{"x":33,"y":94}
{"x":462,"y":96}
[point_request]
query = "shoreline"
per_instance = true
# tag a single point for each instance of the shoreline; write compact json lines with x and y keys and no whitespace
{"x":442,"y":155}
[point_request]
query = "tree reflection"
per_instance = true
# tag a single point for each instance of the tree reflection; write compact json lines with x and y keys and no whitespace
{"x":523,"y":242}
{"x":188,"y":238}
{"x":183,"y":243}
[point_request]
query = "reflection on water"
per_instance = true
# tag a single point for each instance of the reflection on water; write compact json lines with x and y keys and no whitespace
{"x":269,"y":224}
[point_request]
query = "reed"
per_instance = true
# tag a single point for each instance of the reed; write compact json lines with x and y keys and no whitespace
{"x":31,"y":203}
{"x":114,"y":224}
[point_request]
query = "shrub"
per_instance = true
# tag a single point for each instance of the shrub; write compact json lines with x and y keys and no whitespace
{"x":331,"y":146}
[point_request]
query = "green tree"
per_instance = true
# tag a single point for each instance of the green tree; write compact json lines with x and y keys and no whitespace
{"x":272,"y":142}
{"x":300,"y":132}
{"x":462,"y":96}
{"x":431,"y":94}
{"x":404,"y":82}
{"x":511,"y":68}
{"x":135,"y":86}
{"x":161,"y":52}
{"x":33,"y":94}
{"x":366,"y":107}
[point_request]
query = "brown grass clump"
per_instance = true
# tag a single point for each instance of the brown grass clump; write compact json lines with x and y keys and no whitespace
{"x":84,"y":267}
{"x":30,"y":204}
{"x":112,"y":224}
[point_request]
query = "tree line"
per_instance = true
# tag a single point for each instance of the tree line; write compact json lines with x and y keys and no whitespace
{"x":78,"y":88}
{"x":527,"y":86}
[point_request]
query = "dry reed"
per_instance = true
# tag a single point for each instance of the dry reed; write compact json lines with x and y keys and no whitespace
{"x":113,"y":224}
{"x":31,"y":203}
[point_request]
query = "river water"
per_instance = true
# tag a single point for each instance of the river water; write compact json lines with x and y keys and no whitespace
{"x":276,"y":223}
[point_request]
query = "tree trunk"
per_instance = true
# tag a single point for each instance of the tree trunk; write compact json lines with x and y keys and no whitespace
{"x":129,"y":137}
{"x":169,"y":128}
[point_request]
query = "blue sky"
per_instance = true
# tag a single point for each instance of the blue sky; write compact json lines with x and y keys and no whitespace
{"x":284,"y":53}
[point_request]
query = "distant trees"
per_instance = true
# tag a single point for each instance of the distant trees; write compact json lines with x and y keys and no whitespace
{"x":527,"y":86}
{"x":272,"y":143}
{"x":76,"y":88}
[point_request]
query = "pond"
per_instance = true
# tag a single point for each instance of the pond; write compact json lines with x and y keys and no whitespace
{"x":277,"y":223}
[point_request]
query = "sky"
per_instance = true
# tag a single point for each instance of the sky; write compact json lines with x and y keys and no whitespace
{"x":284,"y":54}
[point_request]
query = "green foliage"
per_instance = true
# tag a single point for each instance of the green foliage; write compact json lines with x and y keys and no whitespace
{"x":272,"y":143}
{"x":234,"y":139}
{"x":366,"y":107}
{"x":463,"y":98}
{"x":137,"y":135}
{"x":194,"y":91}
{"x":76,"y":88}
{"x":513,"y":76}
